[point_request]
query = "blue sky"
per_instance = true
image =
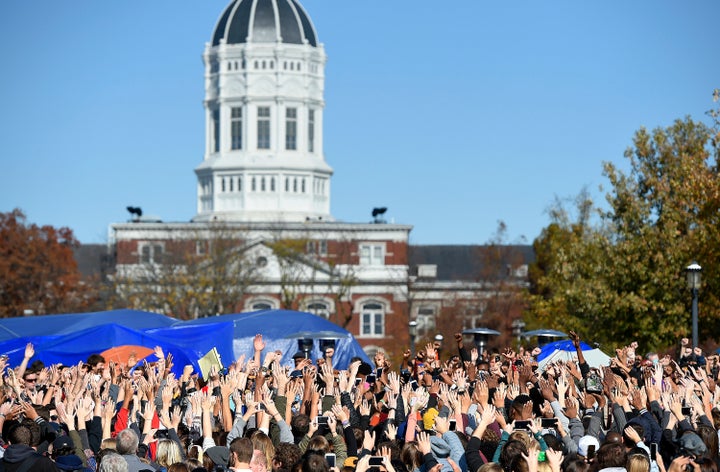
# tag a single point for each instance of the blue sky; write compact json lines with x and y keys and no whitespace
{"x":454,"y":115}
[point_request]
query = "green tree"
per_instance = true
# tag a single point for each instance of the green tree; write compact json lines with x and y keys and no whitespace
{"x":38,"y":271}
{"x":622,"y":279}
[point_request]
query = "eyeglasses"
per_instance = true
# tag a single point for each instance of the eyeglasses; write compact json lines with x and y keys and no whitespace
{"x":31,"y":380}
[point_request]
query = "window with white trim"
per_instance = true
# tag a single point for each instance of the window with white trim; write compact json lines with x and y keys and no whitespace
{"x":425,"y":320}
{"x":216,"y":130}
{"x":372,"y":254}
{"x":372,"y":320}
{"x":263,"y":128}
{"x":151,"y":253}
{"x":320,"y":309}
{"x":236,"y":128}
{"x":291,"y":129}
{"x":311,"y":130}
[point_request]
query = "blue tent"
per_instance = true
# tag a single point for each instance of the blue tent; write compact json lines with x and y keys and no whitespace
{"x":53,"y":325}
{"x":68,"y":339}
{"x":277,"y":325}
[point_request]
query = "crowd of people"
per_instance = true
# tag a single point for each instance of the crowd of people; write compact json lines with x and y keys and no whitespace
{"x":459,"y":411}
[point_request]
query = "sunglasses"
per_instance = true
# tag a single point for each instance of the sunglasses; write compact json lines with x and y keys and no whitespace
{"x":31,"y":380}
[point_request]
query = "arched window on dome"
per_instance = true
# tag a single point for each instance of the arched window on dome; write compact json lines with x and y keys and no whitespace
{"x":292,"y":66}
{"x":263,"y":128}
{"x":291,"y":129}
{"x":287,"y":184}
{"x":298,"y":66}
{"x":236,"y":128}
{"x":239,"y":184}
{"x":262,"y":184}
{"x":252,"y":184}
{"x":311,"y":130}
{"x":272,"y":184}
{"x":222,"y":184}
{"x":264,"y":64}
{"x":272,"y":64}
{"x":302,"y":185}
{"x":256,"y":64}
{"x":295,"y":185}
{"x":229,"y":64}
{"x":231,"y":183}
{"x":216,"y":130}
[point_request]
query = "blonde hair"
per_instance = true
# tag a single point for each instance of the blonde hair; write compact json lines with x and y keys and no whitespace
{"x":637,"y":463}
{"x":168,"y":452}
{"x":263,"y":443}
{"x":490,"y":467}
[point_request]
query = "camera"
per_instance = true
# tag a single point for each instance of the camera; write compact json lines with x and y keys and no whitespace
{"x":593,"y":383}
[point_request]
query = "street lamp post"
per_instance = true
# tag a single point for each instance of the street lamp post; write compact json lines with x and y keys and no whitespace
{"x":518,"y":326}
{"x":481,"y":336}
{"x":693,"y":281}
{"x":412,"y":329}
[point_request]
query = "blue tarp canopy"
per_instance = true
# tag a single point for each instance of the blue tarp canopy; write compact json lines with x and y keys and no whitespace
{"x":277,"y":325}
{"x":68,"y":339}
{"x":53,"y":325}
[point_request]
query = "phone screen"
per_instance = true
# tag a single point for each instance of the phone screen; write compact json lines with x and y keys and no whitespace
{"x":549,"y":422}
{"x":591,"y":451}
{"x":376,"y":460}
{"x":653,"y":451}
{"x":522,"y":425}
{"x":330,"y":458}
{"x":452,"y":425}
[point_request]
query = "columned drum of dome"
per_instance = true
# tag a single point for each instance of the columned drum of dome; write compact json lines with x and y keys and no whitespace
{"x":264,"y":103}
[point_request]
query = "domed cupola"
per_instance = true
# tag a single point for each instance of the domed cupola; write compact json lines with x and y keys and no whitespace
{"x":264,"y":103}
{"x":264,"y":21}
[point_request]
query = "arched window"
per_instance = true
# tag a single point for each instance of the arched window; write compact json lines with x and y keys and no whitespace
{"x":261,"y":306}
{"x":426,"y":320}
{"x":287,"y":184}
{"x":320,"y":309}
{"x":252,"y":184}
{"x":295,"y":185}
{"x":239,"y":184}
{"x":262,"y":184}
{"x":372,"y":320}
{"x":303,"y":185}
{"x":272,"y":184}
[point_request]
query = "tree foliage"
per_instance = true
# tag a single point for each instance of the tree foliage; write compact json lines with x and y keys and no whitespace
{"x":207,"y":275}
{"x":38,"y":271}
{"x":621,"y":277}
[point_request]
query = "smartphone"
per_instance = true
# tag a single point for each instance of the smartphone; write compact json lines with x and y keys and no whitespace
{"x":686,"y":410}
{"x":522,"y":425}
{"x":452,"y":425}
{"x":379,"y":372}
{"x":376,"y":460}
{"x":653,"y":451}
{"x":322,"y":420}
{"x":261,"y":407}
{"x":357,"y":381}
{"x":590,"y":452}
{"x":330,"y":459}
{"x":549,"y":422}
{"x":370,"y":379}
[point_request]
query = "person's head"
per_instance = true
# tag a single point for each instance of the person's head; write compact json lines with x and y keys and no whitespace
{"x":490,"y":467}
{"x":637,"y":463}
{"x":96,"y":363}
{"x":109,"y":443}
{"x":264,"y":444}
{"x":709,"y":437}
{"x":629,"y":444}
{"x":127,"y":442}
{"x":168,"y":452}
{"x":314,"y":463}
{"x":575,"y":464}
{"x":300,"y":425}
{"x":411,"y":456}
{"x":30,"y":378}
{"x":611,"y":455}
{"x":319,"y":443}
{"x":112,"y":462}
{"x":258,"y":463}
{"x":20,"y":434}
{"x":286,"y":456}
{"x":178,"y":467}
{"x":241,"y":452}
{"x":512,"y":450}
{"x":706,"y":464}
{"x":517,"y":407}
{"x":613,"y":437}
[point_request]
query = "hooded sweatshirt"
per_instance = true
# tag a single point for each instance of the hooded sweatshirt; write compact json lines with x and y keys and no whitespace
{"x":16,"y":454}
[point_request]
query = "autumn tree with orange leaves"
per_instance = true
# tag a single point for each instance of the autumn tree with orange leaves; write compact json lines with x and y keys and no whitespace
{"x":37,"y":269}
